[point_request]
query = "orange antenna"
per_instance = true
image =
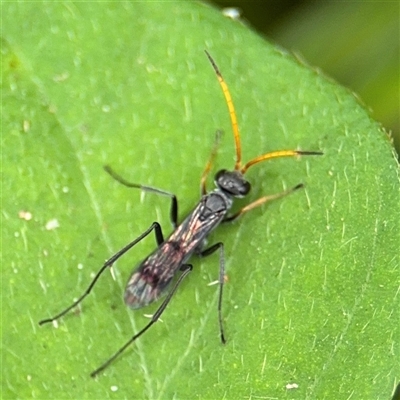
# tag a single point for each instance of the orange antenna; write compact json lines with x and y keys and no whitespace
{"x":231,"y":109}
{"x":235,"y":128}
{"x":277,"y":154}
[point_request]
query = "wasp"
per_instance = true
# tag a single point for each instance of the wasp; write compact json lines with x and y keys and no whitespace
{"x":154,"y":276}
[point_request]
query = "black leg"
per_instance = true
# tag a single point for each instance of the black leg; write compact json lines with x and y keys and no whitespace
{"x":174,"y":201}
{"x":205,"y":253}
{"x":186,"y":268}
{"x":160,"y":239}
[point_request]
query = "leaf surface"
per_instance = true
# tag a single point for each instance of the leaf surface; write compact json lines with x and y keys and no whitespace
{"x":312,"y":291}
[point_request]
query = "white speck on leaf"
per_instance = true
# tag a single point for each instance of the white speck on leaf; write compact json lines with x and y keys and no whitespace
{"x":232,"y":12}
{"x":52,"y":224}
{"x":26,"y":215}
{"x":292,"y":386}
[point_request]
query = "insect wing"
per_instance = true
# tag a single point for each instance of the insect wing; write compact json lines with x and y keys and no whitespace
{"x":148,"y":283}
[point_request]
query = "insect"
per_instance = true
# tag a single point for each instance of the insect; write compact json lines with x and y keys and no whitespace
{"x":154,"y":276}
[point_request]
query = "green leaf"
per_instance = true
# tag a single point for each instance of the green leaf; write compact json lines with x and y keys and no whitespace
{"x":311,"y":297}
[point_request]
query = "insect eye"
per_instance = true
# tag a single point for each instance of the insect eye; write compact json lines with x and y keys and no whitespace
{"x":244,"y":188}
{"x":222,"y":179}
{"x":219,"y":176}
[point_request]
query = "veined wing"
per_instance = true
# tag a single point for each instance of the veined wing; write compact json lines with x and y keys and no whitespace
{"x":151,"y":279}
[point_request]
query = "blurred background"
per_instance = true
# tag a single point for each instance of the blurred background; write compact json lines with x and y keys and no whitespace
{"x":355,"y":42}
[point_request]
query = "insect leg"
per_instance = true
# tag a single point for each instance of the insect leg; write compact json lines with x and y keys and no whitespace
{"x":186,"y":268}
{"x":205,"y":253}
{"x":160,"y":239}
{"x":174,"y":201}
{"x":210,"y":162}
{"x":261,"y":201}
